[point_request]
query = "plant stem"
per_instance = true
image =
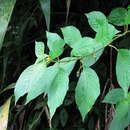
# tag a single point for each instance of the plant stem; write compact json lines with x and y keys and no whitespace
{"x":47,"y":113}
{"x":48,"y":116}
{"x":113,"y":47}
{"x":111,"y":66}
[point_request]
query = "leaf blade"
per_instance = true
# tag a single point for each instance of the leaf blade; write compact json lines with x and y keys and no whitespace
{"x":39,"y":49}
{"x":97,"y":20}
{"x":71,"y":35}
{"x":28,"y":79}
{"x":105,"y":35}
{"x":118,"y":16}
{"x":55,"y":44}
{"x":86,"y":46}
{"x":92,"y":59}
{"x":121,"y":114}
{"x":123,"y":69}
{"x":88,"y":82}
{"x":114,"y":96}
{"x":45,"y":81}
{"x":57,"y":91}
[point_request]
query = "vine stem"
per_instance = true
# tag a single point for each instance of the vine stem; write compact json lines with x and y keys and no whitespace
{"x":109,"y":44}
{"x":47,"y":113}
{"x":48,"y":116}
{"x":113,"y":47}
{"x":111,"y":114}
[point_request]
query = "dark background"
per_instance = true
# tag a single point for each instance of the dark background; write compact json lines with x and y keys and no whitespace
{"x":28,"y":25}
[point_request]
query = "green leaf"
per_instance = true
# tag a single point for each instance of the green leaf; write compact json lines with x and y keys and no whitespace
{"x":97,"y":20}
{"x":44,"y":82}
{"x":86,"y":46}
{"x":39,"y":49}
{"x":55,"y":44}
{"x":6,"y":8}
{"x":128,"y":6}
{"x":105,"y":35}
{"x":92,"y":59}
{"x":99,"y":23}
{"x":123,"y":69}
{"x":114,"y":96}
{"x":87,"y":91}
{"x":122,"y":114}
{"x":71,"y":35}
{"x":120,"y":120}
{"x":28,"y":79}
{"x":128,"y":98}
{"x":45,"y":5}
{"x":57,"y":91}
{"x":118,"y":16}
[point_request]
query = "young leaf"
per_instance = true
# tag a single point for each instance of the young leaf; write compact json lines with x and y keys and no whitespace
{"x":120,"y":120}
{"x":86,"y":46}
{"x":118,"y":16}
{"x":45,"y":5}
{"x":87,"y":91}
{"x":114,"y":96}
{"x":29,"y":79}
{"x":57,"y":91}
{"x":39,"y":49}
{"x":123,"y":69}
{"x":97,"y":20}
{"x":71,"y":35}
{"x":92,"y":59}
{"x":55,"y":44}
{"x":105,"y":35}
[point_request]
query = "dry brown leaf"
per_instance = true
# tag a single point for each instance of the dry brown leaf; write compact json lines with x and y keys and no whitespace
{"x":4,"y":112}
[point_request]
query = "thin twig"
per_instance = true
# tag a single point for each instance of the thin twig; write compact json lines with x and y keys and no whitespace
{"x":106,"y":117}
{"x":98,"y":124}
{"x":128,"y":128}
{"x":111,"y":66}
{"x":47,"y":113}
{"x":113,"y":47}
{"x":105,"y":86}
{"x":48,"y":117}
